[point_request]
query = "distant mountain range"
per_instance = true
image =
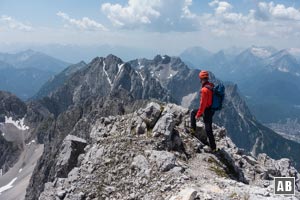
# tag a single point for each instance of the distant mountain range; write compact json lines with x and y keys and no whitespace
{"x":167,"y":79}
{"x":73,"y":53}
{"x":24,"y":73}
{"x":268,"y":78}
{"x":33,"y":59}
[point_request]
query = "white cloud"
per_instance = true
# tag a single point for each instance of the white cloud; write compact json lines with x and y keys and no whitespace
{"x":222,"y":6}
{"x":83,"y":24}
{"x":136,"y":12}
{"x":154,"y":15}
{"x":186,"y":13}
{"x":267,"y":20}
{"x":223,"y":15}
{"x":267,"y":11}
{"x":11,"y":23}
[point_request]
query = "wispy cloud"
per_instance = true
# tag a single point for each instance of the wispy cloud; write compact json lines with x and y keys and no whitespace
{"x":266,"y":20}
{"x":153,"y":15}
{"x":83,"y":24}
{"x":11,"y":23}
{"x":269,"y":11}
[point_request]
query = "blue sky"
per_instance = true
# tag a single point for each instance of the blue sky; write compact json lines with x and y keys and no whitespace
{"x":166,"y":25}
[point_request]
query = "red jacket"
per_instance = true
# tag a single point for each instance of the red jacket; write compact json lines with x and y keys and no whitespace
{"x":206,"y":98}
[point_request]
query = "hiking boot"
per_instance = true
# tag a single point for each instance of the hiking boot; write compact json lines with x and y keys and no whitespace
{"x":215,"y":150}
{"x":207,"y":149}
{"x":192,"y":131}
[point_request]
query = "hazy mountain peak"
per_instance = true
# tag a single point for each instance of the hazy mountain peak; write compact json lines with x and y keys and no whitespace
{"x":283,"y":54}
{"x":294,"y":51}
{"x":29,"y":51}
{"x":197,"y":49}
{"x":284,"y":62}
{"x":233,"y":51}
{"x":262,"y":52}
{"x":33,"y":59}
{"x":27,"y":54}
{"x":195,"y":56}
{"x":112,"y":57}
{"x":220,"y":54}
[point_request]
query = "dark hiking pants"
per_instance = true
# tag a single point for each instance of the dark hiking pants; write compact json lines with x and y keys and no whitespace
{"x":207,"y":118}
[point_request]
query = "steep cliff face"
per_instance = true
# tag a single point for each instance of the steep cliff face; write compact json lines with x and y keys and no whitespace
{"x":58,"y":80}
{"x":248,"y":133}
{"x":174,"y":75}
{"x":11,"y":109}
{"x":149,"y":154}
{"x":100,"y":78}
{"x":18,"y":145}
{"x":11,"y":106}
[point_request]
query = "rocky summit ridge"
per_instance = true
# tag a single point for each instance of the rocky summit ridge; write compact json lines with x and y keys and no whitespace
{"x":150,"y":154}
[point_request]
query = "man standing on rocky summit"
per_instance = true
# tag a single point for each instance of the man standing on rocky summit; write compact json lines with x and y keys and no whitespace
{"x":205,"y":109}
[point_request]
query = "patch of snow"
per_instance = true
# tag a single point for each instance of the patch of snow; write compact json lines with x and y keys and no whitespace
{"x":20,"y":170}
{"x":8,"y":186}
{"x":243,"y":119}
{"x":140,"y":66}
{"x":172,"y":72}
{"x":297,"y":106}
{"x":120,"y":66}
{"x":32,"y":141}
{"x":108,"y":79}
{"x":3,"y":134}
{"x":283,"y":69}
{"x":143,"y":78}
{"x":241,"y":115}
{"x":260,"y":52}
{"x":18,"y":123}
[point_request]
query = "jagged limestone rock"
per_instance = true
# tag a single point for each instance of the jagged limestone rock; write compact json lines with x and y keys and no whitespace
{"x":151,"y":114}
{"x":142,"y":164}
{"x":71,"y":148}
{"x":163,"y":159}
{"x":120,"y":164}
{"x":164,"y":126}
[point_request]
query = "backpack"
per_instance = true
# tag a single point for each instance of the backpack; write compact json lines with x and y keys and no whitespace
{"x":218,"y":97}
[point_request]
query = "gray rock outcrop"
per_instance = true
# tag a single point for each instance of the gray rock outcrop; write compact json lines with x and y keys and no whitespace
{"x":71,"y":148}
{"x":118,"y":163}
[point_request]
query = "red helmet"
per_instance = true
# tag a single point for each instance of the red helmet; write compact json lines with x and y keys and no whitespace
{"x":203,"y":74}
